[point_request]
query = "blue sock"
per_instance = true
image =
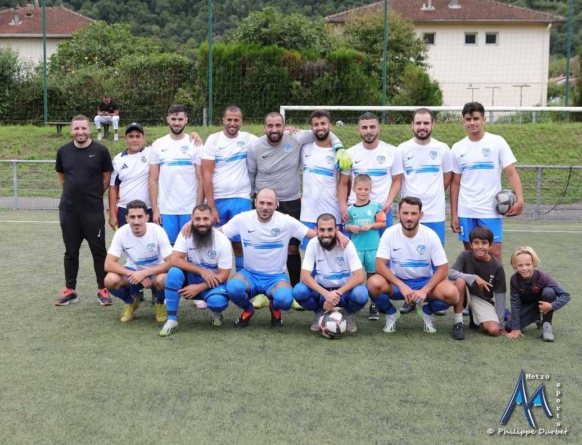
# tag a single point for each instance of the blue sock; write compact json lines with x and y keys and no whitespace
{"x":384,"y":304}
{"x":134,"y":288}
{"x":438,"y":305}
{"x":159,"y":294}
{"x":123,"y":294}
{"x":174,"y":281}
{"x":308,"y":299}
{"x":239,"y":262}
{"x":427,"y":309}
{"x":237,"y":292}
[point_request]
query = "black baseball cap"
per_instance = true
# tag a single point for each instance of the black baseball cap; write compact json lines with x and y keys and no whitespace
{"x":134,"y":126}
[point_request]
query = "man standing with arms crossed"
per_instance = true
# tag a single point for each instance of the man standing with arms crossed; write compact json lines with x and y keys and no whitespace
{"x":84,"y":170}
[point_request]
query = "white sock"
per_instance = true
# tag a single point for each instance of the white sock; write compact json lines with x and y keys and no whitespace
{"x":458,"y":318}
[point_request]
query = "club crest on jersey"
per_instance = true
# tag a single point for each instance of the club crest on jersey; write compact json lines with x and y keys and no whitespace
{"x":241,"y":143}
{"x":151,"y":247}
{"x":381,"y":159}
{"x":212,"y":254}
{"x":340,"y":260}
{"x":275,"y":232}
{"x":329,"y":159}
{"x":369,"y":212}
{"x":421,"y":249}
{"x":287,"y":148}
{"x":486,"y":152}
{"x":144,"y":159}
{"x":433,"y":154}
{"x":184,"y":149}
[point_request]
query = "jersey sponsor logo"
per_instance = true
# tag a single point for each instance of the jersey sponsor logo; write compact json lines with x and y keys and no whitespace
{"x":381,"y":159}
{"x":433,"y":154}
{"x":287,"y":148}
{"x":486,"y":152}
{"x":241,"y":143}
{"x":144,"y":159}
{"x":184,"y":149}
{"x":340,"y":260}
{"x":212,"y":254}
{"x":329,"y":159}
{"x":275,"y":232}
{"x":421,"y":249}
{"x":151,"y":247}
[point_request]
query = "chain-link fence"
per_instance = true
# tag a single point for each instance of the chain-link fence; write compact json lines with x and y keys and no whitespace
{"x":551,"y":192}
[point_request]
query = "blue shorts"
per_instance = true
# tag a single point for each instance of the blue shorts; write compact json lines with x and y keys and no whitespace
{"x":172,"y":224}
{"x":313,"y":226}
{"x":493,"y":224}
{"x":368,"y":259}
{"x":122,"y":216}
{"x":414,"y":284}
{"x":262,"y":283}
{"x":228,"y":208}
{"x":197,"y":279}
{"x":438,"y":228}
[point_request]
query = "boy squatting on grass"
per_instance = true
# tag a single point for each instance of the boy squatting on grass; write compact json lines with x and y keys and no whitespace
{"x":484,"y":275}
{"x":533,"y":292}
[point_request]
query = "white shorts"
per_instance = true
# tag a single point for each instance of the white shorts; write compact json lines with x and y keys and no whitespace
{"x":482,"y":310}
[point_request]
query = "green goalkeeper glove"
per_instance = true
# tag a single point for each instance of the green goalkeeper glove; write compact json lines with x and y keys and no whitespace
{"x":343,"y":160}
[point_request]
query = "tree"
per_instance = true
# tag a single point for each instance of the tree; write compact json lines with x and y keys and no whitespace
{"x":418,"y":89}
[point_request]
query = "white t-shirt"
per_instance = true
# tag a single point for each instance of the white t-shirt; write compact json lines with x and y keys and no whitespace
{"x":319,"y":183}
{"x":332,"y":267}
{"x":131,"y":173}
{"x":217,"y":256}
{"x":380,"y":164}
{"x":424,"y":166}
{"x":177,"y":184}
{"x":231,"y":177}
{"x":411,"y":258}
{"x":480,"y":165}
{"x":141,"y":252}
{"x":265,"y":244}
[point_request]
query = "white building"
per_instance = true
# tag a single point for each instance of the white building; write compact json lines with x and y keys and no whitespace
{"x":486,"y":51}
{"x":21,"y":29}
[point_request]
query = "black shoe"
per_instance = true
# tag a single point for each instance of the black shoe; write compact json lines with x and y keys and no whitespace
{"x":458,"y":331}
{"x":374,"y":313}
{"x":276,"y":317}
{"x":244,"y":319}
{"x":472,"y":323}
{"x":407,"y":308}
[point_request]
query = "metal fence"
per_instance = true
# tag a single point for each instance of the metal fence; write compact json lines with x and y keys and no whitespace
{"x":552,"y":193}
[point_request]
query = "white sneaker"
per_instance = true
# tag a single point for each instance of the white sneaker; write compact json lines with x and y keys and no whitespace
{"x":169,"y":328}
{"x":428,"y":321}
{"x":547,"y":334}
{"x":351,"y":323}
{"x":99,"y":136}
{"x":391,"y":320}
{"x":315,"y":323}
{"x":115,"y":137}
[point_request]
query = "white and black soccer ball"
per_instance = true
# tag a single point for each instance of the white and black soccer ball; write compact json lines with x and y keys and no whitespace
{"x":332,"y":324}
{"x":504,"y":200}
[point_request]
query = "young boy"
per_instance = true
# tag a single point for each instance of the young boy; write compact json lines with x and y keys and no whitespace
{"x":366,"y":221}
{"x":484,"y":275}
{"x":533,"y":293}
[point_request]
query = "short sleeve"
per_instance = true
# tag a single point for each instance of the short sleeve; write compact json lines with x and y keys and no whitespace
{"x":353,"y":258}
{"x":116,"y":248}
{"x":232,"y":228}
{"x":209,"y":150}
{"x":397,"y":168}
{"x":59,"y":162}
{"x":163,"y":242}
{"x":106,"y":164}
{"x":154,"y":154}
{"x":437,"y":253}
{"x":455,"y":160}
{"x":309,"y":258}
{"x":224,"y":252}
{"x":181,"y":244}
{"x":384,"y":246}
{"x":506,"y":156}
{"x":297,"y":229}
{"x":447,"y":159}
{"x":197,"y":155}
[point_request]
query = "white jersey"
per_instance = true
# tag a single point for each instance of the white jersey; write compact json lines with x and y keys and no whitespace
{"x":217,"y":256}
{"x":380,"y":164}
{"x":131,"y":173}
{"x":231,"y":177}
{"x":424,"y":167}
{"x":319,"y":183}
{"x":332,"y":267}
{"x":265,"y":243}
{"x":411,"y":258}
{"x":480,"y":165}
{"x":177,"y":184}
{"x":141,"y":252}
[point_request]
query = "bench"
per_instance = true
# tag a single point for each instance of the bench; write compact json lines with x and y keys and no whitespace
{"x":60,"y":126}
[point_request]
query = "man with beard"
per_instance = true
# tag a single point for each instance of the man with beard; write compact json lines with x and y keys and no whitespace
{"x":84,"y":169}
{"x":147,"y":252}
{"x":331,"y":276}
{"x":319,"y":173}
{"x":201,"y":266}
{"x":265,"y":235}
{"x":428,"y":169}
{"x":273,"y":162}
{"x":413,"y":251}
{"x":225,"y":176}
{"x":175,"y":175}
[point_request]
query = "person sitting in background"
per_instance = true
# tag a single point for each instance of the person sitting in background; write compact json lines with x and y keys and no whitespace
{"x":107,"y":113}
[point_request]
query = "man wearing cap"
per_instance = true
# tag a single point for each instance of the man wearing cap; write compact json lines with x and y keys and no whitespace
{"x":130,"y":178}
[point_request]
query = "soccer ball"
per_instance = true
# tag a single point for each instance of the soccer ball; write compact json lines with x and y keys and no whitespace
{"x":504,"y":200}
{"x":332,"y":324}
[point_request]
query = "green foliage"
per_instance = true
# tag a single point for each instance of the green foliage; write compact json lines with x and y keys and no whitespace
{"x":290,"y":31}
{"x":365,"y":33}
{"x":417,"y":89}
{"x":9,"y":67}
{"x":102,"y":45}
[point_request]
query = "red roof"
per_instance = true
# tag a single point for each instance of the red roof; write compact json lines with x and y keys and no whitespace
{"x":59,"y":22}
{"x":470,"y":11}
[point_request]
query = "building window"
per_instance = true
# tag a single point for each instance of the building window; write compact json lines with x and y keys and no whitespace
{"x":491,"y":38}
{"x":470,"y":38}
{"x":429,"y":38}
